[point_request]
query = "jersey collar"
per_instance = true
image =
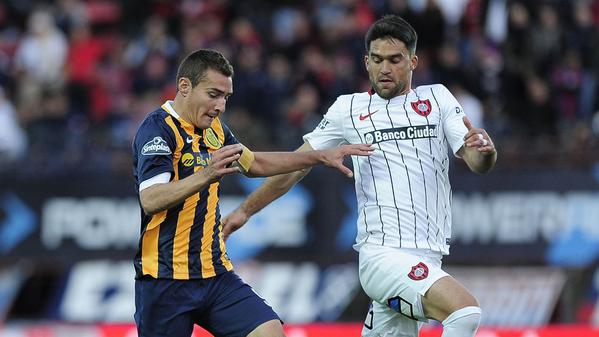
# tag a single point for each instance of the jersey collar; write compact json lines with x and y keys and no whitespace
{"x":168,"y":107}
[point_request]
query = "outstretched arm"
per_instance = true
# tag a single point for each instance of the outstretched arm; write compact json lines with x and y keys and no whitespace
{"x":478,"y":151}
{"x":268,"y":164}
{"x":272,"y":188}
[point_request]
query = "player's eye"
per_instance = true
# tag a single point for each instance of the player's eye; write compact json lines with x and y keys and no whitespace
{"x":212,"y":95}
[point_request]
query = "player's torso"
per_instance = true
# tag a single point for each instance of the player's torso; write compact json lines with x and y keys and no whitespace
{"x":184,"y":241}
{"x":403,"y":129}
{"x":402,"y":188}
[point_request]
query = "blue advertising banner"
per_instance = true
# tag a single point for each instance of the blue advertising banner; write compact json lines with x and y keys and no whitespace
{"x":526,"y":218}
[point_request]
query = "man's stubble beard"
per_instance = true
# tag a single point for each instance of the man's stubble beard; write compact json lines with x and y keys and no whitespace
{"x":390,"y":94}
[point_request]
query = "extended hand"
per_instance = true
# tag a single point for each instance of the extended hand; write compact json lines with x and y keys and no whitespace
{"x":334,"y":157}
{"x":478,"y":138}
{"x":221,"y":161}
{"x":233,"y":222}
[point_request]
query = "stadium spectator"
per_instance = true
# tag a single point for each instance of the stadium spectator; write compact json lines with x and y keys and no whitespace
{"x":118,"y":51}
{"x":13,"y":140}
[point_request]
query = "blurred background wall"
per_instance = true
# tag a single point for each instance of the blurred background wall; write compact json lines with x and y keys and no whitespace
{"x":78,"y":76}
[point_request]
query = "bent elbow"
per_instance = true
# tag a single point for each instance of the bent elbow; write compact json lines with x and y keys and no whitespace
{"x":149,"y":209}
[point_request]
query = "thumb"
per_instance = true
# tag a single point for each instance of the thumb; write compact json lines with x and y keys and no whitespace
{"x":348,"y":173}
{"x":467,"y":123}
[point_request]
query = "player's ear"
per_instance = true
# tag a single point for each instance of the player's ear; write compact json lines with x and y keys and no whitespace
{"x":184,"y":86}
{"x":366,"y":62}
{"x":414,"y":61}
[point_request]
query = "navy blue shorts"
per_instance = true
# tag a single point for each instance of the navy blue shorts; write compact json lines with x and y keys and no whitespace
{"x":224,"y":305}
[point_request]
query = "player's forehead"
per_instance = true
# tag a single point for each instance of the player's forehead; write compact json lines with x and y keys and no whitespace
{"x":387,"y":46}
{"x":216,"y":80}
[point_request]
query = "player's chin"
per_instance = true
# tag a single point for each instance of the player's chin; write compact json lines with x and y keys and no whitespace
{"x":387,"y":93}
{"x":205,"y":123}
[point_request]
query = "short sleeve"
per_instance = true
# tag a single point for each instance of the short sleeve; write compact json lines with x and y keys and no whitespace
{"x":452,"y":116}
{"x":329,"y":132}
{"x":153,"y":149}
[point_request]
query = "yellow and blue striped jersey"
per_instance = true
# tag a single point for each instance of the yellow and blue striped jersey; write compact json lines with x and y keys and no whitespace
{"x":184,"y":241}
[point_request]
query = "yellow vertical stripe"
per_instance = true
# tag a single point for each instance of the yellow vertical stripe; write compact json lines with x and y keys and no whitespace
{"x":208,"y":233}
{"x":218,"y":129}
{"x":177,"y":153}
{"x":149,"y":245}
{"x":226,"y":262}
{"x":181,"y":240}
{"x":185,"y":220}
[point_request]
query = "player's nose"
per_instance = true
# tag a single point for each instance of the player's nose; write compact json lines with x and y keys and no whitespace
{"x":385,"y":67}
{"x":220,"y":106}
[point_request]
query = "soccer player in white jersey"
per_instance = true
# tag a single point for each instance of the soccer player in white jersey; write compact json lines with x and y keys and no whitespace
{"x":403,"y":190}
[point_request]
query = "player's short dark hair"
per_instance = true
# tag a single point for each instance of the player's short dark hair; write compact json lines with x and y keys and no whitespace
{"x":392,"y":26}
{"x":195,"y":65}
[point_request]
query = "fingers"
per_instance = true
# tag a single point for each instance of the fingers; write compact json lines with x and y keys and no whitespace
{"x":226,"y":155}
{"x":467,"y":123}
{"x":345,"y":170}
{"x":358,"y":150}
{"x":227,"y":151}
{"x":479,"y":139}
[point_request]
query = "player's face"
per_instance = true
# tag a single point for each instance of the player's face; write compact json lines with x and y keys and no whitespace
{"x":208,"y":98}
{"x":390,"y":64}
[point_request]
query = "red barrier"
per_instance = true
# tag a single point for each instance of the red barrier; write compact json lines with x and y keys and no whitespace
{"x":310,"y":330}
{"x":353,"y":330}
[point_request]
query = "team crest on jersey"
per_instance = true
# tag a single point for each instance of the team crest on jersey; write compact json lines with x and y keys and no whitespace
{"x":211,"y":139}
{"x":419,"y":272}
{"x":156,"y":146}
{"x":422,"y":107}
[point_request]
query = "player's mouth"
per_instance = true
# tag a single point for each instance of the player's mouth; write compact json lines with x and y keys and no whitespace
{"x":386,"y":82}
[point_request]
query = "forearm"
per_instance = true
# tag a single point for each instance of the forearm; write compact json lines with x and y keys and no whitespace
{"x":160,"y":197}
{"x":272,"y":188}
{"x":478,"y":162}
{"x":275,"y":186}
{"x":274,"y":163}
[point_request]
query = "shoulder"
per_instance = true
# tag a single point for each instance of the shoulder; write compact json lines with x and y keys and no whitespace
{"x":346,"y":102}
{"x":436,"y":89}
{"x":154,"y":124}
{"x":155,"y":119}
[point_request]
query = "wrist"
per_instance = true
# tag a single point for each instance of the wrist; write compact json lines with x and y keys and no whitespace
{"x":246,"y":210}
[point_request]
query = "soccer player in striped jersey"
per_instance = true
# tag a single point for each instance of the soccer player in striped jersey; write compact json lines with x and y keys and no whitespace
{"x":180,"y":152}
{"x":403,"y":190}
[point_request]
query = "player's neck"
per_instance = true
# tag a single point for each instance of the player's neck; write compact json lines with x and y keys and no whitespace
{"x":181,"y":107}
{"x":405,"y":91}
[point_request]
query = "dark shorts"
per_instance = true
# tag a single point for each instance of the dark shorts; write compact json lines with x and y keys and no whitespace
{"x":224,"y":305}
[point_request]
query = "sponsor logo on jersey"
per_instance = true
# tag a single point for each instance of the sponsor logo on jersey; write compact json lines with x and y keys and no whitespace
{"x":211,"y":139}
{"x":156,"y":146}
{"x":403,"y":133}
{"x":422,"y":107}
{"x":363,"y":117}
{"x":419,"y":272}
{"x":187,"y":159}
{"x":197,"y":159}
{"x":323,"y":124}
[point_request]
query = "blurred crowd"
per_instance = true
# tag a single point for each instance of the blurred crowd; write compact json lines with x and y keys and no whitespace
{"x":78,"y":76}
